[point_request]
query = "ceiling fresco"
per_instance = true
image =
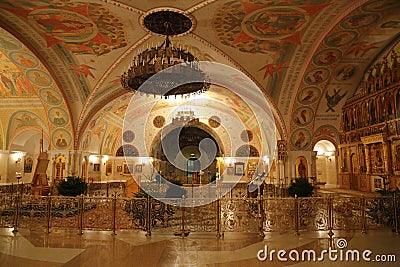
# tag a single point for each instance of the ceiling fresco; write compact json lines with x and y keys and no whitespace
{"x":62,"y":60}
{"x":29,"y":96}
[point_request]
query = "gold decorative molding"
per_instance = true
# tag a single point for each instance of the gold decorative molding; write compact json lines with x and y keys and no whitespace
{"x":375,"y":138}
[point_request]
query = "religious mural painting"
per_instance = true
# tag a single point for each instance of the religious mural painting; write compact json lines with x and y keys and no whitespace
{"x":376,"y":156}
{"x":246,"y":135}
{"x":359,"y":20}
{"x":28,"y":163}
{"x":214,"y":121}
{"x":50,"y":96}
{"x":327,"y":57}
{"x":328,"y":132}
{"x":303,"y":116}
{"x":301,"y":167}
{"x":316,"y":76}
{"x":58,"y":116}
{"x":112,"y":140}
{"x":61,"y":139}
{"x":259,"y":27}
{"x":82,"y":28}
{"x":24,"y":59}
{"x":377,"y":5}
{"x":333,"y":98}
{"x":396,"y":157}
{"x":300,"y":139}
{"x":29,"y":79}
{"x":341,"y":38}
{"x":159,"y":121}
{"x":308,"y":95}
{"x":345,"y":73}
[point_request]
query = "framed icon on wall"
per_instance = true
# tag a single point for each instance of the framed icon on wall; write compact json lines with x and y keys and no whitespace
{"x":239,"y":168}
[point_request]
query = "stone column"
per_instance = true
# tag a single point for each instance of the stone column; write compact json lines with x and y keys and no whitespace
{"x":278,"y":171}
{"x":386,"y":157}
{"x":313,"y":169}
{"x":367,"y":158}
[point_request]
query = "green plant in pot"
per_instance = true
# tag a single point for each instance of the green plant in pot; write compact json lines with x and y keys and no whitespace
{"x":72,"y":186}
{"x":301,"y":187}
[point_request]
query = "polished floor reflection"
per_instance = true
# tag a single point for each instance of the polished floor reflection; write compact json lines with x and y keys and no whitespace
{"x":128,"y":248}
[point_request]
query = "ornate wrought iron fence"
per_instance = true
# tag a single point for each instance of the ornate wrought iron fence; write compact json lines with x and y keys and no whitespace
{"x":254,"y":215}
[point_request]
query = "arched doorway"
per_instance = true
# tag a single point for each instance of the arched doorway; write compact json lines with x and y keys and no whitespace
{"x":189,"y":138}
{"x":326,"y":165}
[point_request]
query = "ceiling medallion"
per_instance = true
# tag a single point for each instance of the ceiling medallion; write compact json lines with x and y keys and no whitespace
{"x":184,"y":78}
{"x":214,"y":121}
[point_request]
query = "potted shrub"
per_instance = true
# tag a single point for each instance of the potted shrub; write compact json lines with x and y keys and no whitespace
{"x":72,"y":186}
{"x":301,"y":187}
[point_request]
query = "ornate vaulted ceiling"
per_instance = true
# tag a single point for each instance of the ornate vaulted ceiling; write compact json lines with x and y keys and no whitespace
{"x":61,"y":61}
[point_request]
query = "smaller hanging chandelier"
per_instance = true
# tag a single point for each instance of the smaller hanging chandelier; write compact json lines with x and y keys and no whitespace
{"x":178,"y":69}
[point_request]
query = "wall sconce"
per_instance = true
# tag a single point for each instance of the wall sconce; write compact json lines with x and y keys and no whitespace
{"x":104,"y":159}
{"x":92,"y":158}
{"x":329,"y":153}
{"x":18,"y":161}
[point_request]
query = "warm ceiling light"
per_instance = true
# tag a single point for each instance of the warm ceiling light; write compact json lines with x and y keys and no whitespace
{"x":182,"y":75}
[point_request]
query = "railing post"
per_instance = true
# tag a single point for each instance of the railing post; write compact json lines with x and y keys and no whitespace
{"x":396,"y":218}
{"x":261,"y":215}
{"x":330,"y":220}
{"x":80,"y":218}
{"x":296,"y":214}
{"x":218,"y":218}
{"x":16,"y":213}
{"x":48,"y":216}
{"x":114,"y":211}
{"x":363,"y":217}
{"x":183,"y":234}
{"x":148,"y":218}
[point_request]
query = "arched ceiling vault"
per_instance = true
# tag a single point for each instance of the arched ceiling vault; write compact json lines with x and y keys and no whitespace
{"x":308,"y":57}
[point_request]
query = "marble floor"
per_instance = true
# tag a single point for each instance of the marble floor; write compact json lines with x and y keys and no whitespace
{"x":130,"y":248}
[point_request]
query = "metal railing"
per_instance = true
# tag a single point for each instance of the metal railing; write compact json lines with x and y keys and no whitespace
{"x":243,"y":215}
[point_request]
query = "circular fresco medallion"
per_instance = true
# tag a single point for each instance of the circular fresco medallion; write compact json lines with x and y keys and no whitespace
{"x":340,"y":38}
{"x":359,"y":20}
{"x":246,"y":136}
{"x":50,"y":96}
{"x":128,"y":136}
{"x":274,"y":22}
{"x":247,"y":151}
{"x":24,"y":59}
{"x":159,"y":121}
{"x":9,"y":43}
{"x":316,"y":76}
{"x":63,"y":24}
{"x":308,"y":95}
{"x":214,"y":121}
{"x":303,"y":116}
{"x":379,"y":5}
{"x":301,"y":138}
{"x":39,"y":77}
{"x":61,"y":139}
{"x":327,"y":57}
{"x":58,"y":117}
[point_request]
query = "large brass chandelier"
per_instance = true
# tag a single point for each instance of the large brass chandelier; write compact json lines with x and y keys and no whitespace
{"x":178,"y":69}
